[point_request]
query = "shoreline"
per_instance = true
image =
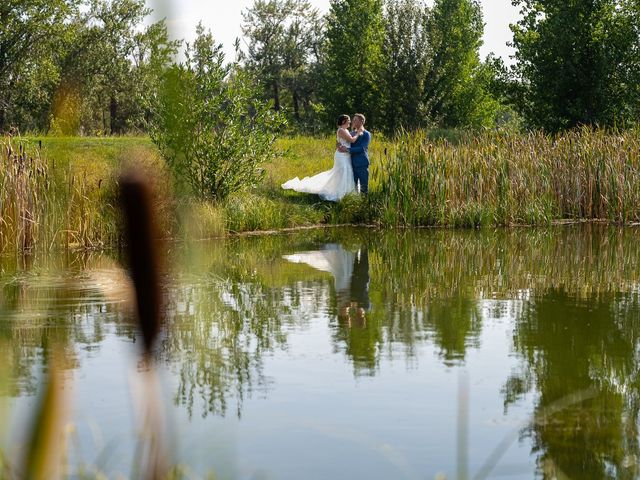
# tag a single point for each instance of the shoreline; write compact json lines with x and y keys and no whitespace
{"x":328,"y":226}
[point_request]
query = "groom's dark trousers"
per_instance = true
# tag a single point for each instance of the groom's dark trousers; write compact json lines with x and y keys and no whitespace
{"x":361,"y":174}
{"x":360,"y":161}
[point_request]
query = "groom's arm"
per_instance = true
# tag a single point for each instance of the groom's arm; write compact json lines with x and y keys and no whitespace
{"x":363,"y":144}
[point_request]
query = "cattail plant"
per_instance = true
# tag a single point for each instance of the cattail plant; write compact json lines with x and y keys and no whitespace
{"x":42,"y":206}
{"x":23,"y":191}
{"x":145,"y":267}
{"x":510,"y":178}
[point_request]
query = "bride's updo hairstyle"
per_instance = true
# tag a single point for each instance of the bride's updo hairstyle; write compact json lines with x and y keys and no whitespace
{"x":342,"y":118}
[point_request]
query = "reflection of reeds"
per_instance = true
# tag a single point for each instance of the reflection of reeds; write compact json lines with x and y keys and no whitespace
{"x":583,"y":260}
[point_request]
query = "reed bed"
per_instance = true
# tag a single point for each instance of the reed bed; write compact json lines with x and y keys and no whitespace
{"x":509,"y":178}
{"x":24,"y":182}
{"x":49,"y":205}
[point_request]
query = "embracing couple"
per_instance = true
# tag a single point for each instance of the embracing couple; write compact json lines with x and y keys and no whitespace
{"x":350,"y":164}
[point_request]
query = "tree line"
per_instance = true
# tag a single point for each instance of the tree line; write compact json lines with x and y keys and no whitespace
{"x":79,"y":66}
{"x":97,"y":66}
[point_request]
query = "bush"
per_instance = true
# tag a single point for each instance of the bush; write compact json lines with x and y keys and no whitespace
{"x":211,"y":127}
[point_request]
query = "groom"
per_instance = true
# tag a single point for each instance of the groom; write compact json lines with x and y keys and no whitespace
{"x":359,"y":154}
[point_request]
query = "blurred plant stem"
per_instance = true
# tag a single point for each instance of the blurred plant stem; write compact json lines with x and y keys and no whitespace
{"x":46,"y":450}
{"x":145,"y":264}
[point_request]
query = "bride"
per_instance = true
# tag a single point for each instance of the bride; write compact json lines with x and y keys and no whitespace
{"x":333,"y":184}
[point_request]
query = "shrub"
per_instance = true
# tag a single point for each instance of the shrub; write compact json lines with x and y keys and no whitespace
{"x":211,"y":127}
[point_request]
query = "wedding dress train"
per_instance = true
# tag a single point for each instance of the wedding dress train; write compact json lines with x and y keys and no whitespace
{"x":331,"y":185}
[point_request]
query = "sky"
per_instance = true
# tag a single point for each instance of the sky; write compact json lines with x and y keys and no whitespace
{"x":223,"y":18}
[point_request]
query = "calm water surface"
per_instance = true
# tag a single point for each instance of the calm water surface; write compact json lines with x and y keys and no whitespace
{"x":349,"y":354}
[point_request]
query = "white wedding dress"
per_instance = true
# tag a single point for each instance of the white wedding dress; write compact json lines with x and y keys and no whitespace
{"x":331,"y":185}
{"x":333,"y":258}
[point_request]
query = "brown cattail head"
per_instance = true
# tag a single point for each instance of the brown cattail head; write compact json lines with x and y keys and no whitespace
{"x":144,"y":253}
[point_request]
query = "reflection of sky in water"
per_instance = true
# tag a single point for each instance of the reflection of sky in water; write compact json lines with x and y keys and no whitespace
{"x":264,"y":377}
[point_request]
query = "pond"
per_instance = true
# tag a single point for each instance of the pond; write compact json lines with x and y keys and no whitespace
{"x":348,"y":353}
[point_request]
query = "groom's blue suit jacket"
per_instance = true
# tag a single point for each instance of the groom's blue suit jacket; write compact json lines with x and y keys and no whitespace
{"x":360,"y":150}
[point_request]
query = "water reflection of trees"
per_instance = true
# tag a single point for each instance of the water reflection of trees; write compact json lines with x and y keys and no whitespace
{"x":235,"y":306}
{"x":575,"y":293}
{"x":243,"y":298}
{"x":577,"y":331}
{"x":218,"y":334}
{"x":51,"y":302}
{"x":572,"y":290}
{"x":434,"y":281}
{"x":570,"y":344}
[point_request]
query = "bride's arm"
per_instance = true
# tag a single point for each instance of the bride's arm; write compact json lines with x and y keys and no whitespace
{"x":345,"y":134}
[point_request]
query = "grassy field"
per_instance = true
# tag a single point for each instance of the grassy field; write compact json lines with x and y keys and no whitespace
{"x":63,"y":191}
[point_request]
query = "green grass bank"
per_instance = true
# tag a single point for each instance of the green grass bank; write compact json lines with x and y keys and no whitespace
{"x":60,"y":191}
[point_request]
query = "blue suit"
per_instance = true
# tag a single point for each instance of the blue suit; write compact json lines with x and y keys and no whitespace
{"x":360,"y":161}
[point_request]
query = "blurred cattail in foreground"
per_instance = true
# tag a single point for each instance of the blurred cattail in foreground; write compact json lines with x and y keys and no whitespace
{"x":143,"y":253}
{"x":45,"y":453}
{"x":145,"y":267}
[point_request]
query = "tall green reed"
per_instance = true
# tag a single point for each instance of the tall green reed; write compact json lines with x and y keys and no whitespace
{"x":500,"y":178}
{"x":23,"y":188}
{"x":421,"y":179}
{"x":45,"y":205}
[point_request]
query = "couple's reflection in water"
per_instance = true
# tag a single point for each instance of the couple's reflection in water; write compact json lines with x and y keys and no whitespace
{"x":350,"y":270}
{"x":353,"y":331}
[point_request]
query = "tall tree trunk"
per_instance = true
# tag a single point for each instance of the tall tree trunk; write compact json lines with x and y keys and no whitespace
{"x":276,"y":96}
{"x":5,"y":101}
{"x":296,"y":107}
{"x":113,"y":112}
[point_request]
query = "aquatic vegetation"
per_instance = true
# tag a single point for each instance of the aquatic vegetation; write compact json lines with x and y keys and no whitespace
{"x":509,"y":178}
{"x":52,"y":204}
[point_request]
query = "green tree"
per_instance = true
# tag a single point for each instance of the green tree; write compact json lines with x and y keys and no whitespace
{"x":111,"y":70}
{"x":407,"y":55}
{"x":506,"y":90}
{"x":33,"y":35}
{"x":100,"y":65}
{"x":578,"y":62}
{"x":210,"y":124}
{"x":457,"y":86}
{"x":152,"y":54}
{"x":352,"y":59}
{"x":283,"y":40}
